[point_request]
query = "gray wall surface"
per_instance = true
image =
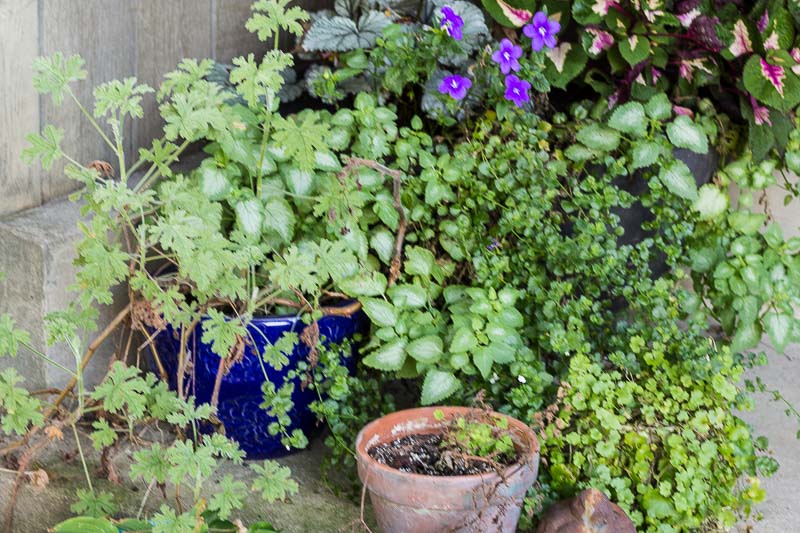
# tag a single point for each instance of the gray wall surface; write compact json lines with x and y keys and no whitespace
{"x":117,"y":38}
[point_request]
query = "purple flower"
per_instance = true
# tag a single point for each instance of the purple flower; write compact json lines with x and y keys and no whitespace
{"x":507,"y":55}
{"x":542,"y":31}
{"x":517,"y":90}
{"x":452,"y":23}
{"x":456,"y":86}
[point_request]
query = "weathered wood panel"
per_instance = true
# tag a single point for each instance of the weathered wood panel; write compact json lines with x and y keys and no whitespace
{"x":166,"y":32}
{"x":101,"y":31}
{"x":232,"y":39}
{"x":20,"y":186}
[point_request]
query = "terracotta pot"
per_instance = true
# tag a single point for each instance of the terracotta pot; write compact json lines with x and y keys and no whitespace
{"x":479,"y":503}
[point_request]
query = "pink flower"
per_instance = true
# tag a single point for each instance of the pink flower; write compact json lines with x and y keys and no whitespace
{"x":683,"y":111}
{"x":763,"y":21}
{"x":600,"y":41}
{"x":760,"y":112}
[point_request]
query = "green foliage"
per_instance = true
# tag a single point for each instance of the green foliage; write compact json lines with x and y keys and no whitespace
{"x":273,"y":481}
{"x":658,"y":438}
{"x":18,"y":408}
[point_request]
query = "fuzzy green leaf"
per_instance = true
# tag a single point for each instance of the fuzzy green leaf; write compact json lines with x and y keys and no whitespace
{"x":426,"y":349}
{"x":629,"y":118}
{"x":678,"y":180}
{"x":389,"y":357}
{"x":438,"y":385}
{"x":683,"y":133}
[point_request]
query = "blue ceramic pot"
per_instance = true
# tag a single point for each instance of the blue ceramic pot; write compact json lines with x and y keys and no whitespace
{"x":240,"y":394}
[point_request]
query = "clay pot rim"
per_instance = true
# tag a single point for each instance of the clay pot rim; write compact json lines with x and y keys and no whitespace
{"x":526,"y":457}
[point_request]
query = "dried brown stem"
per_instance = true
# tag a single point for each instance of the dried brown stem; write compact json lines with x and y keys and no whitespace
{"x":397,"y":260}
{"x":92,"y":348}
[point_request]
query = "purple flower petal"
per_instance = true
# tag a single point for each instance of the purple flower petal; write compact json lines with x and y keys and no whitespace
{"x":456,"y":86}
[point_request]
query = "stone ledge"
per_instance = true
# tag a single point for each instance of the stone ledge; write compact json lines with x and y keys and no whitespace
{"x":37,"y":248}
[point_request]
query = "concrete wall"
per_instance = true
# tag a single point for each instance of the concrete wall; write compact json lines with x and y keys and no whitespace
{"x":38,"y":226}
{"x":117,"y":38}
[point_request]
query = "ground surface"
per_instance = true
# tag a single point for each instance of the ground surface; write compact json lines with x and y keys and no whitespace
{"x":318,"y":510}
{"x":781,"y":511}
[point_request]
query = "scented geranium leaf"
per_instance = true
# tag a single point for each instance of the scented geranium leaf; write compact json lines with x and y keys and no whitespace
{"x":302,"y":140}
{"x":45,"y":147}
{"x":426,"y":350}
{"x":678,"y":180}
{"x":160,"y":154}
{"x":438,"y":385}
{"x":598,"y":137}
{"x":644,"y":154}
{"x":166,"y":520}
{"x":389,"y":357}
{"x":255,"y":81}
{"x":659,"y":107}
{"x":277,"y":355}
{"x":18,"y":409}
{"x":342,"y":34}
{"x":274,"y":481}
{"x":103,"y":435}
{"x":272,"y":16}
{"x":634,"y":49}
{"x":684,"y":133}
{"x":711,"y":202}
{"x":195,"y":113}
{"x":779,"y":328}
{"x":96,"y":504}
{"x":185,"y":412}
{"x":85,"y":524}
{"x":406,"y":296}
{"x":221,"y":332}
{"x":149,"y":464}
{"x":629,"y":118}
{"x":123,"y":391}
{"x":120,"y":98}
{"x":189,"y":73}
{"x":10,"y":337}
{"x":381,"y":312}
{"x":223,"y":447}
{"x":188,"y":461}
{"x":228,"y":496}
{"x":52,"y":75}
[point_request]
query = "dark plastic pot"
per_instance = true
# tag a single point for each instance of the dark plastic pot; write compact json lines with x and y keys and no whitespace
{"x":406,"y":503}
{"x":240,"y":393}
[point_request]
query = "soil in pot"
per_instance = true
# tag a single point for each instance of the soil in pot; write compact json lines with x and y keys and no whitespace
{"x":427,"y":455}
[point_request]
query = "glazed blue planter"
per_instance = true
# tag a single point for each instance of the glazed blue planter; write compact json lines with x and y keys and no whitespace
{"x":240,"y":394}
